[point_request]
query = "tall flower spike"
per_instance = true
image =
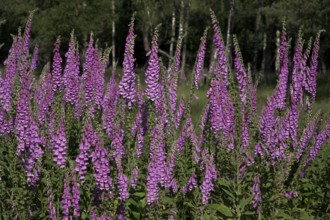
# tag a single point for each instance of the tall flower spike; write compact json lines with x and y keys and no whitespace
{"x":101,"y":167}
{"x":153,"y":69}
{"x":152,"y":182}
{"x":200,"y":59}
{"x":11,"y":65}
{"x":311,"y":77}
{"x":321,"y":137}
{"x":89,"y":73}
{"x":297,"y":72}
{"x":88,"y":140}
{"x":60,"y":146}
{"x":179,"y":114}
{"x":256,"y":194}
{"x":100,"y":61}
{"x":71,"y":78}
{"x":57,"y":66}
{"x":306,"y":136}
{"x":252,"y":89}
{"x":44,"y":93}
{"x":27,"y":33}
{"x":127,"y":83}
{"x":240,"y":72}
{"x":220,"y":45}
{"x":51,"y":207}
{"x":66,"y":199}
{"x":280,"y":91}
{"x":75,"y":196}
{"x":123,"y":187}
{"x":173,"y":77}
{"x":210,"y":176}
{"x":34,"y":57}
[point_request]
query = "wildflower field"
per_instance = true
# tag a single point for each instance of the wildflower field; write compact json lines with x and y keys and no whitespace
{"x":78,"y":144}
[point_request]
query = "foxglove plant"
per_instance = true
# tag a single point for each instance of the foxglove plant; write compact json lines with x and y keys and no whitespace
{"x":179,"y":114}
{"x":220,"y":47}
{"x":200,"y":59}
{"x":210,"y":175}
{"x":280,"y":91}
{"x":101,"y":167}
{"x":66,"y":199}
{"x":123,"y":187}
{"x":127,"y":83}
{"x":173,"y":77}
{"x":153,"y":69}
{"x":240,"y":73}
{"x":59,"y":146}
{"x":256,"y":193}
{"x":75,"y":199}
{"x":88,"y":140}
{"x":51,"y":207}
{"x":89,"y":73}
{"x":71,"y":71}
{"x":57,"y":67}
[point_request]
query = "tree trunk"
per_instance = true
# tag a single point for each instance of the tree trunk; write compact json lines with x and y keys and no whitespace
{"x":264,"y":47}
{"x":146,"y":44}
{"x":172,"y":39}
{"x":181,"y":19}
{"x":228,"y":41}
{"x":185,"y":40}
{"x":113,"y":35}
{"x":256,"y":43}
{"x":277,"y":60}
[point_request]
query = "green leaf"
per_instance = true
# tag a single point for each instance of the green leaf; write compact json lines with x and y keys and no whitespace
{"x":284,"y":215}
{"x":243,"y":202}
{"x":225,"y":210}
{"x":228,"y":193}
{"x":143,"y":203}
{"x":136,"y":215}
{"x":139,"y":194}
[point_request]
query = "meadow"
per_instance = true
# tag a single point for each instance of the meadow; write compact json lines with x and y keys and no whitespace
{"x":79,"y":140}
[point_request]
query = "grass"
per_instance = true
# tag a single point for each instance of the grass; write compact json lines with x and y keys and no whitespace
{"x":265,"y":90}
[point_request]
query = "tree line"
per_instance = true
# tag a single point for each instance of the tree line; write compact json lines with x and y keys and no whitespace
{"x":256,"y":22}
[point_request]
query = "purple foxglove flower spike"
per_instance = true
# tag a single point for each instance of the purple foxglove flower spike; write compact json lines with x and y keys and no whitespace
{"x":123,"y":187}
{"x":88,"y":140}
{"x":27,"y":33}
{"x":59,"y":146}
{"x":173,"y":77}
{"x":71,"y":71}
{"x":57,"y":67}
{"x":44,"y":94}
{"x":321,"y":137}
{"x":312,"y":71}
{"x":220,"y":47}
{"x":127,"y":83}
{"x":281,"y":88}
{"x":210,"y":176}
{"x":11,"y":66}
{"x":240,"y":72}
{"x":153,"y":69}
{"x":89,"y":74}
{"x":101,"y":167}
{"x":256,"y":194}
{"x":51,"y":207}
{"x":35,"y":57}
{"x":101,"y":64}
{"x":200,"y":59}
{"x":66,"y":199}
{"x":179,"y":114}
{"x":152,"y":182}
{"x":135,"y":176}
{"x":75,"y":197}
